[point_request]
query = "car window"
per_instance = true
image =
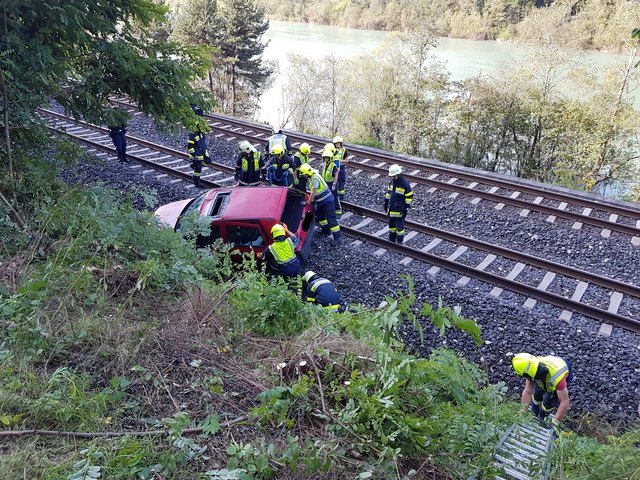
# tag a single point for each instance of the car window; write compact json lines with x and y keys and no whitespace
{"x":207,"y":240}
{"x":244,"y":236}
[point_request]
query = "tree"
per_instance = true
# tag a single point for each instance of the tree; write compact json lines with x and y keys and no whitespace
{"x":78,"y":53}
{"x":233,"y":29}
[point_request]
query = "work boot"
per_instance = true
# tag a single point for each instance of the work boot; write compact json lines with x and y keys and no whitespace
{"x":197,"y":182}
{"x":392,"y":236}
{"x":400,"y":239}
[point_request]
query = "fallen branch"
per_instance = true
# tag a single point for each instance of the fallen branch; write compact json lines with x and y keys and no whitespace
{"x":58,"y":433}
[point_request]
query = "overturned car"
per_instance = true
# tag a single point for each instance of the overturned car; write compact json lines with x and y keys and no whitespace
{"x":243,"y":216}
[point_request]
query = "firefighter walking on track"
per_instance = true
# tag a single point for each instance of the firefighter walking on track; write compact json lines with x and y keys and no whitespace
{"x":397,"y":202}
{"x":197,"y":149}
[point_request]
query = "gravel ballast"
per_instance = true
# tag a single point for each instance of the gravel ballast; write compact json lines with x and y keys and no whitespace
{"x":607,"y":369}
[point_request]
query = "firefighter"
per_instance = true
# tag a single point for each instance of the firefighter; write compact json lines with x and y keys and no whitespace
{"x":320,"y":291}
{"x":320,"y":195}
{"x":341,"y":158}
{"x":118,"y":136}
{"x":278,"y":139}
{"x":330,"y":171}
{"x":280,"y":256}
{"x":280,"y":168}
{"x":397,"y":202}
{"x":197,"y":149}
{"x":300,"y":158}
{"x":250,"y":168}
{"x":547,"y":385}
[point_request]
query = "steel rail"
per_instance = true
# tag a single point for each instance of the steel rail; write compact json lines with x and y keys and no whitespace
{"x":598,"y":280}
{"x":592,"y":278}
{"x":511,"y":285}
{"x":418,"y":163}
{"x":494,"y":197}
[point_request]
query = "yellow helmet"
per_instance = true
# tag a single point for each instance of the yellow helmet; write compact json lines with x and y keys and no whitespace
{"x":337,"y":139}
{"x":331,"y":148}
{"x":277,"y":151}
{"x":305,"y":169}
{"x":277,"y":231}
{"x":525,"y":365}
{"x":305,"y":148}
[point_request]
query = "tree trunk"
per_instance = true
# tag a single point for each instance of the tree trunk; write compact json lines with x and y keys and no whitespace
{"x":233,"y":89}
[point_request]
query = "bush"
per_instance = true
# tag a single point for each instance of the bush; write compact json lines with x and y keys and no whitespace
{"x":269,"y":307}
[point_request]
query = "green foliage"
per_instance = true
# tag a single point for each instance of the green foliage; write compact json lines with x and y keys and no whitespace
{"x":232,"y":31}
{"x":84,"y":470}
{"x":576,"y":457}
{"x":269,"y":307}
{"x":592,"y":24}
{"x":250,"y":461}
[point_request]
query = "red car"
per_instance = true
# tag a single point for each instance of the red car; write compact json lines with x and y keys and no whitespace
{"x":243,"y":216}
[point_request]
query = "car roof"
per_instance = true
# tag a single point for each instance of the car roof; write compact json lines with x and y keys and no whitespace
{"x":248,"y":202}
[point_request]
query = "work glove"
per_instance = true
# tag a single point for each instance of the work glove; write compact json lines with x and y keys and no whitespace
{"x":295,"y":181}
{"x":555,"y":424}
{"x":386,"y":205}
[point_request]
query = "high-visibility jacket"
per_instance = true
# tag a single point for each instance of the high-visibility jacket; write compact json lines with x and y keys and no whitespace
{"x":283,"y":251}
{"x":322,"y":189}
{"x":329,"y":170}
{"x":557,"y":370}
{"x":300,"y":159}
{"x":250,"y":167}
{"x":399,"y":197}
{"x":321,"y":291}
{"x":279,"y":140}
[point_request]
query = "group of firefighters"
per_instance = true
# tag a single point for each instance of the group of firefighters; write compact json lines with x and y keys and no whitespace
{"x":546,"y":391}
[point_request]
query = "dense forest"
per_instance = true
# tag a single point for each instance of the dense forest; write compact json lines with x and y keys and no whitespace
{"x":590,"y":24}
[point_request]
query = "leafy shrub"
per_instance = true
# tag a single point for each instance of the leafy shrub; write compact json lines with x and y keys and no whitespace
{"x":269,"y":307}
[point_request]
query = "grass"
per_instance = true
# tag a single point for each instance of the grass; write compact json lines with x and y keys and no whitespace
{"x":110,"y":324}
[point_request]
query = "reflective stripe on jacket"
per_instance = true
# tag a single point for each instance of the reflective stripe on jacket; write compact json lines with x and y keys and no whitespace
{"x":279,"y":140}
{"x":558,"y":369}
{"x":322,"y":191}
{"x":321,"y":291}
{"x":256,"y":162}
{"x":283,"y":251}
{"x":329,"y":170}
{"x":399,"y":195}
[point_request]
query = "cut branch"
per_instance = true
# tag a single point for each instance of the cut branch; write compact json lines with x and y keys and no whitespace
{"x":59,"y":433}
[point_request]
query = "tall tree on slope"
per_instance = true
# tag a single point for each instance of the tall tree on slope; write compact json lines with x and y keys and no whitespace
{"x":79,"y":52}
{"x":234,"y":30}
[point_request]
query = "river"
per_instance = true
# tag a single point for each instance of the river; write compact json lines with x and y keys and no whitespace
{"x":463,"y":58}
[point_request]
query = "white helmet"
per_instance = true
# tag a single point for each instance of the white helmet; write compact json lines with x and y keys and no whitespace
{"x":395,"y":170}
{"x":307,"y":276}
{"x":245,"y":146}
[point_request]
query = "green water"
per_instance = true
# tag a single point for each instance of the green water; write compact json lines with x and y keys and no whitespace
{"x":463,"y":58}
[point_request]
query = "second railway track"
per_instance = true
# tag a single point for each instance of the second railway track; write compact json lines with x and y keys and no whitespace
{"x":172,"y":162}
{"x":447,"y":178}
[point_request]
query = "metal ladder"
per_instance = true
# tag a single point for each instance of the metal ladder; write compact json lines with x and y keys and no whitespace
{"x":523,"y":452}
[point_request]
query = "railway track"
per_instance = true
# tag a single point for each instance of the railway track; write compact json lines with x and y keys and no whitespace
{"x":167,"y":161}
{"x":479,"y":186}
